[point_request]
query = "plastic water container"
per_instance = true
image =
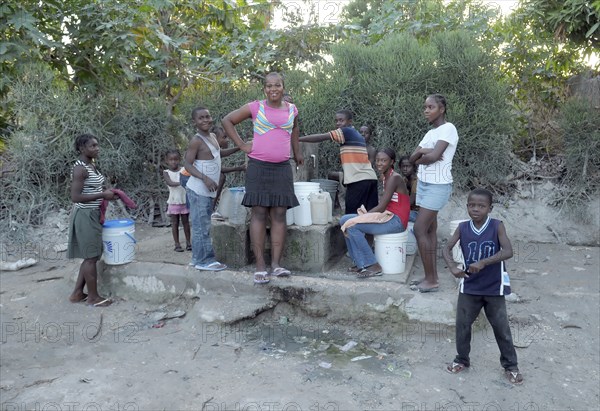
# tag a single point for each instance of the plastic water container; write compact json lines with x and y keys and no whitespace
{"x":225,"y":203}
{"x":302,"y":215}
{"x":329,"y":186}
{"x":329,"y":209}
{"x":289,"y":216}
{"x":118,"y":239}
{"x":318,"y":207}
{"x":390,"y":252}
{"x":303,"y":189}
{"x":237,"y":211}
{"x":457,"y":254}
{"x":411,"y":241}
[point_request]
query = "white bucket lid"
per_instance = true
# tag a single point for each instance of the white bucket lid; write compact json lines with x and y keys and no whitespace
{"x":118,"y":223}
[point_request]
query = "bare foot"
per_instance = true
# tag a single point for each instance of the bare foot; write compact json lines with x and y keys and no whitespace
{"x":78,"y":297}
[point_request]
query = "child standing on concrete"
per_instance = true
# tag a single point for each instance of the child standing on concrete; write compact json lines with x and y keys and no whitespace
{"x":359,"y":177}
{"x":203,"y":162}
{"x":177,"y":199}
{"x":484,"y":282}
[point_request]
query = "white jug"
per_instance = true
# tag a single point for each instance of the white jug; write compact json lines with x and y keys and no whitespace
{"x":318,"y":207}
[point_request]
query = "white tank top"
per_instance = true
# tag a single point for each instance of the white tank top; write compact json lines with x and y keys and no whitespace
{"x":210,"y":168}
{"x":176,"y":194}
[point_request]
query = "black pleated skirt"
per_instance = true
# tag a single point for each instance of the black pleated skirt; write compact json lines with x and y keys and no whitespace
{"x":269,"y":184}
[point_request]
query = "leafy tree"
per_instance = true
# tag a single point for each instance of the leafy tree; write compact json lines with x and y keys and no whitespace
{"x":375,"y":19}
{"x":543,"y":48}
{"x":571,"y":21}
{"x":157,"y":44}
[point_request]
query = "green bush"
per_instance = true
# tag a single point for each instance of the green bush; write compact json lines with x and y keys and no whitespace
{"x":132,"y":130}
{"x":580,"y":124}
{"x":385,"y":85}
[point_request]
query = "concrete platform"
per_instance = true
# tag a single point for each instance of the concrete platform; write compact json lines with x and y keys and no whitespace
{"x":230,"y":296}
{"x":335,"y":296}
{"x":308,"y":249}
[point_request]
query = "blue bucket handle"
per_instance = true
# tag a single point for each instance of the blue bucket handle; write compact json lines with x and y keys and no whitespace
{"x":131,"y":237}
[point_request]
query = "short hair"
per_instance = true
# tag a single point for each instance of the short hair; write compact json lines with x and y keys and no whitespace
{"x":404,"y":157}
{"x":346,"y":113}
{"x":173,"y":151}
{"x":82,"y":139}
{"x":439,"y":99}
{"x":271,"y":74}
{"x":482,"y":192}
{"x":196,"y":110}
{"x":390,"y":152}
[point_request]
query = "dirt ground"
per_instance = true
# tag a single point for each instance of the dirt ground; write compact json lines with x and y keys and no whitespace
{"x":55,"y":355}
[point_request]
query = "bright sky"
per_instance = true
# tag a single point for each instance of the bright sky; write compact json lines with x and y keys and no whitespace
{"x":328,"y":11}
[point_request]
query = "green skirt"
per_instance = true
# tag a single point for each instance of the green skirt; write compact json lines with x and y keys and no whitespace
{"x":85,"y":233}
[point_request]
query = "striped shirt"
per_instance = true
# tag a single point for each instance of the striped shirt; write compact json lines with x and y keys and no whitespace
{"x":93,"y":184}
{"x":353,"y":155}
{"x":272,"y":131}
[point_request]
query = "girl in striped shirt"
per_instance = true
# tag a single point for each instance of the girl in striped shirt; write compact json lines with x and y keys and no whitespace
{"x":85,"y":231}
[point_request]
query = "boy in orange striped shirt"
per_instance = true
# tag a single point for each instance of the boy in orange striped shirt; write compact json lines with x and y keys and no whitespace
{"x":359,"y":177}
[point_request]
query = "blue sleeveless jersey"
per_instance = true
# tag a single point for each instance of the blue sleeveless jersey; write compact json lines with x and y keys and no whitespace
{"x":477,"y":244}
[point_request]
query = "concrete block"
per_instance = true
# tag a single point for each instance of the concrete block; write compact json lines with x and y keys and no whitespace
{"x":313,"y":247}
{"x":309,"y":248}
{"x":231,"y":243}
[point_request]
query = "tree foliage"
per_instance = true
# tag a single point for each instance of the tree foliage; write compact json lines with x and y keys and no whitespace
{"x":573,"y":21}
{"x":375,"y":19}
{"x":100,"y":45}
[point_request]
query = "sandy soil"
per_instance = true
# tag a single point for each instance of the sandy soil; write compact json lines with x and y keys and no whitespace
{"x":55,"y":355}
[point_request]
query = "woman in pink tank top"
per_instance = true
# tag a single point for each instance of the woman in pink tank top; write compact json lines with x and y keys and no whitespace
{"x":269,"y":179}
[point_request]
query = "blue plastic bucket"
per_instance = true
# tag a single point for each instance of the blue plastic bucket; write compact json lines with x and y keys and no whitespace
{"x":118,"y":238}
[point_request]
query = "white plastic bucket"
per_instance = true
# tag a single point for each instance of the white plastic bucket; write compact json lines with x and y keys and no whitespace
{"x":457,"y":254}
{"x":118,"y":238}
{"x":319,"y":208}
{"x":302,"y":212}
{"x":303,"y":189}
{"x":289,"y":216}
{"x":238,"y":212}
{"x":390,"y":252}
{"x":411,"y":240}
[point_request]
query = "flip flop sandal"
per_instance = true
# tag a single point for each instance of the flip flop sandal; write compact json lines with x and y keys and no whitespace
{"x":415,"y":282}
{"x":179,"y":249}
{"x":456,"y":367}
{"x":188,"y":248}
{"x":214,"y":266}
{"x":514,"y":377}
{"x":104,"y":303}
{"x":364,"y":273}
{"x":281,"y":272}
{"x":260,"y":277}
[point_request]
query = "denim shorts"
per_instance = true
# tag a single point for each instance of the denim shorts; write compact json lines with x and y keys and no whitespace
{"x":433,"y":196}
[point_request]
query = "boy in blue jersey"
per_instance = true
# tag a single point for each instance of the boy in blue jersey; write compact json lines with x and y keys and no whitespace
{"x":484,"y":282}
